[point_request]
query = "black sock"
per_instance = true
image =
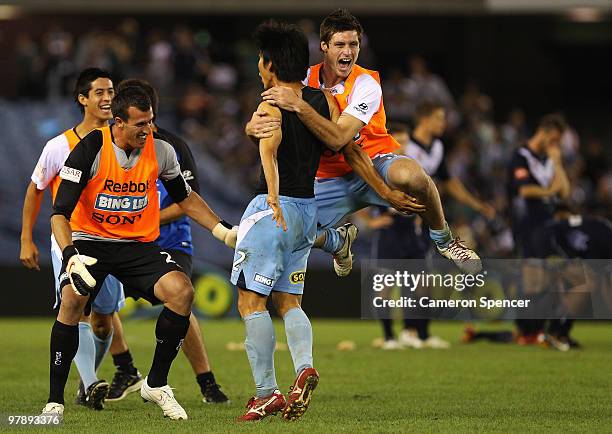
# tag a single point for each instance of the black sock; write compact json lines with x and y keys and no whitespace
{"x":124,"y":363}
{"x":170,"y":331}
{"x":387,"y":329}
{"x":205,"y":379}
{"x":422,"y":327}
{"x":410,"y":324}
{"x":64,"y":345}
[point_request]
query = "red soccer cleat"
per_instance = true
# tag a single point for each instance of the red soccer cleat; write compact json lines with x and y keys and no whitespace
{"x":300,"y":393}
{"x":258,"y":408}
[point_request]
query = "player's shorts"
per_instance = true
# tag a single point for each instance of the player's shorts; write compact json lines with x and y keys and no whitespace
{"x":267,"y":258}
{"x":338,"y":197}
{"x":137,"y":265}
{"x":182,"y":258}
{"x":110,"y":297}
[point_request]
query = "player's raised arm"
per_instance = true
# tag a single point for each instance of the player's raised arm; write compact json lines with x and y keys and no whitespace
{"x":334,"y":135}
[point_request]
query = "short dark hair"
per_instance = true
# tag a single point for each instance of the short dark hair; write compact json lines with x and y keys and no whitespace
{"x":340,"y":20}
{"x":553,"y":121}
{"x":83,"y":83}
{"x":144,"y":85}
{"x":130,"y":97}
{"x":286,"y":46}
{"x":425,"y":109}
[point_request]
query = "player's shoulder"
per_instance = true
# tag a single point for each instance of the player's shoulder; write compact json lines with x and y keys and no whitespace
{"x":269,"y":108}
{"x":57,"y":143}
{"x":169,"y":137}
{"x":365,"y":81}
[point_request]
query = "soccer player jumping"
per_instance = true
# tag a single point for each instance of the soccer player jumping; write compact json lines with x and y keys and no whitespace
{"x":338,"y":190}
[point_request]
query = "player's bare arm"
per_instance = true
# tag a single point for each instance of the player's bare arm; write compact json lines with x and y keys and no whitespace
{"x":261,"y":126}
{"x":560,"y":180}
{"x":170,"y":213}
{"x":31,"y":207}
{"x":268,"y":148}
{"x":334,"y":135}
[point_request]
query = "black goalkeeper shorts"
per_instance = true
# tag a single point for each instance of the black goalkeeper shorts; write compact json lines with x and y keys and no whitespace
{"x":138,"y":266}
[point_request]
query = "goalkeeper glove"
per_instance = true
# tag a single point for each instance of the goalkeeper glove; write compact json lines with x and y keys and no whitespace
{"x":226,"y":233}
{"x":82,"y":281}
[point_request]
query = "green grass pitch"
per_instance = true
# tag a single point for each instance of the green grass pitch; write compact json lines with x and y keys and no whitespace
{"x":479,"y":387}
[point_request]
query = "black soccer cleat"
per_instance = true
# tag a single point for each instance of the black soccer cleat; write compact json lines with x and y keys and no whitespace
{"x":96,"y":395}
{"x":212,"y":393}
{"x":123,"y":384}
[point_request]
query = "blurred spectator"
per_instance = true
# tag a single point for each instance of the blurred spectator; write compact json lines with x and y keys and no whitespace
{"x":30,"y":82}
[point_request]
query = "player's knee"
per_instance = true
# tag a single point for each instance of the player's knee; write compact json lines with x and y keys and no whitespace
{"x":250,"y":302}
{"x":101,"y":324}
{"x":409,"y":176}
{"x":72,"y":302}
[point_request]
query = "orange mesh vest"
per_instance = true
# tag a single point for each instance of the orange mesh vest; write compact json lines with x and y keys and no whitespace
{"x":373,"y":137}
{"x":119,"y":203}
{"x":73,"y":139}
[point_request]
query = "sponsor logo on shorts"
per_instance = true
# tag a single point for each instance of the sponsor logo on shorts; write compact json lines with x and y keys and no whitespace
{"x":70,"y":174}
{"x":297,"y":277}
{"x":109,"y":202}
{"x":263,"y":280}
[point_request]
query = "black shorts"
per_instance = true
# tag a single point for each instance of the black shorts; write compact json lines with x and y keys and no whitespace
{"x":137,"y":265}
{"x":183,"y":259}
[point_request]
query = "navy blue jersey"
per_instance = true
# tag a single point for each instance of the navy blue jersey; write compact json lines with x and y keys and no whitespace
{"x":576,"y":237}
{"x":527,"y":168}
{"x":432,"y":158}
{"x":177,"y":234}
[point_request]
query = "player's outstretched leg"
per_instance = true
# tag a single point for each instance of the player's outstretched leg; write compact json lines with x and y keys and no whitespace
{"x":175,"y":289}
{"x":338,"y":242}
{"x":408,"y":176}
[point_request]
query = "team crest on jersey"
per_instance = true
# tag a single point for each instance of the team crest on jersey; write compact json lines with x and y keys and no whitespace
{"x":109,"y":202}
{"x":297,"y":277}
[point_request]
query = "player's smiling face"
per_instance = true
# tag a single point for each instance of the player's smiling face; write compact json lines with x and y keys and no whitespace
{"x":341,"y":52}
{"x":138,"y":126}
{"x":98,"y":101}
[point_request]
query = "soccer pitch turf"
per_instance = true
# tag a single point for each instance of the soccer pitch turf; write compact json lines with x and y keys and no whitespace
{"x":477,"y":387}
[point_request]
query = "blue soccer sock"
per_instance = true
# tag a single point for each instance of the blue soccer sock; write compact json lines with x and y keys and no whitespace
{"x":259,"y":344}
{"x":333,"y":241}
{"x":102,"y":346}
{"x":299,"y":338}
{"x":86,"y":355}
{"x":442,"y":237}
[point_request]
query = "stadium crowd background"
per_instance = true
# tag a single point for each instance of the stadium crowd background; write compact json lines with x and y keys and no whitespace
{"x":494,"y":79}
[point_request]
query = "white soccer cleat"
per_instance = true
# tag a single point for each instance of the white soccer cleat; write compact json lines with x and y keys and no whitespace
{"x":465,"y":258}
{"x":343,"y":259}
{"x":53,"y":409}
{"x":436,"y":342}
{"x":163,"y":397}
{"x":391,"y":345}
{"x":410,"y":340}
